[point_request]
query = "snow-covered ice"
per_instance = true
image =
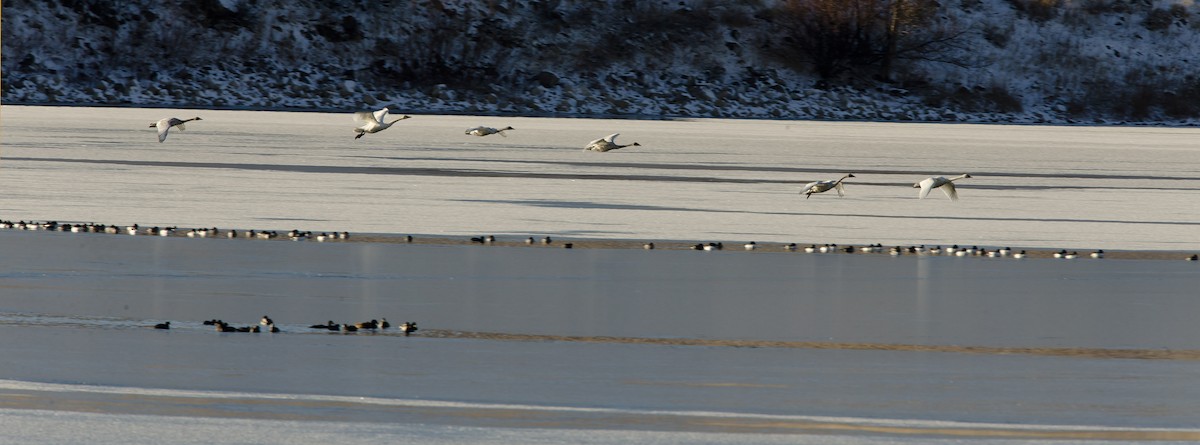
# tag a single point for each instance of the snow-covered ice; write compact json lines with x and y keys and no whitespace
{"x":540,"y":344}
{"x":733,"y":180}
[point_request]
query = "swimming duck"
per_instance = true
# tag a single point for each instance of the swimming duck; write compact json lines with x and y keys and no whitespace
{"x":331,"y":325}
{"x":166,"y":325}
{"x":408,"y":327}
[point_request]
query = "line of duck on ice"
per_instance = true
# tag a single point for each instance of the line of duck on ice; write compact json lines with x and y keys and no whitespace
{"x":268,"y":325}
{"x":204,"y":232}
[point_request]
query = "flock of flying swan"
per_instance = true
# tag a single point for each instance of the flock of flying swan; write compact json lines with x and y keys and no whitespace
{"x":926,"y":185}
{"x":376,"y":121}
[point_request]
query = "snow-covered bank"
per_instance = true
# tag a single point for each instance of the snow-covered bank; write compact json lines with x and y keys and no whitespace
{"x":1093,"y":62}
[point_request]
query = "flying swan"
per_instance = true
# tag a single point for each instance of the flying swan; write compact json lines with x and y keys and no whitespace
{"x":165,"y":125}
{"x":946,"y":184}
{"x":373,"y":122}
{"x":484,"y":131}
{"x":607,"y":143}
{"x":825,"y":186}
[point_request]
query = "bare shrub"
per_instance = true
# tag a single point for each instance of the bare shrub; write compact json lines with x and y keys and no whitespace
{"x":1158,"y":19}
{"x":1038,"y":10}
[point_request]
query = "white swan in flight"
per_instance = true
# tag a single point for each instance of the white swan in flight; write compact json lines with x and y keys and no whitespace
{"x":373,"y":122}
{"x":946,"y":184}
{"x":607,"y":143}
{"x":165,"y":125}
{"x":825,"y":186}
{"x":484,"y":131}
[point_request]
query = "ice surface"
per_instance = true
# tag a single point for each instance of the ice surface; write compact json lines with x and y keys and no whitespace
{"x":82,"y":364}
{"x":1068,"y":187}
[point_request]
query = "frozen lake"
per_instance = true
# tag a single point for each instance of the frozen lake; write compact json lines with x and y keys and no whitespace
{"x":549,"y":345}
{"x":726,"y":180}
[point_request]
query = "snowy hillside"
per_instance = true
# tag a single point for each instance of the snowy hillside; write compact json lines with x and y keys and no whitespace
{"x":1027,"y":61}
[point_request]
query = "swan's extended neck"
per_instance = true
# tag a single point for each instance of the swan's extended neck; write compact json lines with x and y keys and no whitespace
{"x":962,"y":176}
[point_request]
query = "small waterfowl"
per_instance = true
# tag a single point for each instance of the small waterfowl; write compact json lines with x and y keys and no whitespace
{"x":374,"y":122}
{"x":1194,"y":257}
{"x":266,"y":321}
{"x":810,"y":249}
{"x":272,"y":329}
{"x":367,"y":324}
{"x":790,"y":247}
{"x":547,"y":240}
{"x":1060,"y":254}
{"x":529,"y":240}
{"x":166,"y":124}
{"x":1071,"y":256}
{"x":1019,"y":255}
{"x":484,"y":131}
{"x":1098,"y":254}
{"x":348,"y":328}
{"x":648,"y":246}
{"x":166,"y":325}
{"x":408,"y":327}
{"x":607,"y":143}
{"x":225,"y":327}
{"x":383,"y":323}
{"x":330,"y":325}
{"x":825,"y":186}
{"x":750,"y":245}
{"x":946,"y":184}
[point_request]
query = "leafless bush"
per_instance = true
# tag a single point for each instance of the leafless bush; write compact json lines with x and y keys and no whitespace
{"x":1038,"y":10}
